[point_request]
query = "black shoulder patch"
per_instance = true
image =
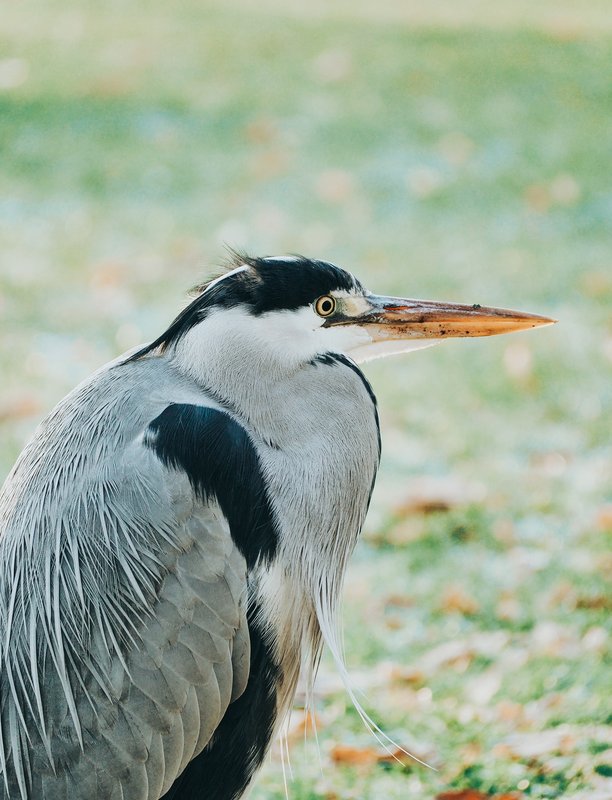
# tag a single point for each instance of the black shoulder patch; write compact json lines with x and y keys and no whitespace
{"x":220,"y":460}
{"x":224,"y":769}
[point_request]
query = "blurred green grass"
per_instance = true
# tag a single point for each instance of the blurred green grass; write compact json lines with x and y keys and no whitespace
{"x":458,"y":153}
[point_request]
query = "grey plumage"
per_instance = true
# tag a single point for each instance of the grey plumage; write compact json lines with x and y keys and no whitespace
{"x":109,"y":568}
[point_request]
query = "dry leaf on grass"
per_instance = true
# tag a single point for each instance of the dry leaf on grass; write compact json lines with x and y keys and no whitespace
{"x":508,"y":608}
{"x":462,"y":794}
{"x":429,"y":494}
{"x":354,"y":756}
{"x":400,"y":600}
{"x":456,"y":598}
{"x":406,"y":531}
{"x":483,"y":643}
{"x":369,"y":756}
{"x":475,"y":794}
{"x":595,"y":602}
{"x":562,"y":593}
{"x":410,"y":675}
{"x":303,"y":724}
{"x":508,"y":711}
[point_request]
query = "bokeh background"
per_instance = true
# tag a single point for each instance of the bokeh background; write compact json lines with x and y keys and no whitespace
{"x":448,"y":150}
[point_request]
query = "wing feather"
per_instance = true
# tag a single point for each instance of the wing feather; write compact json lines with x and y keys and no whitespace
{"x":123,"y":590}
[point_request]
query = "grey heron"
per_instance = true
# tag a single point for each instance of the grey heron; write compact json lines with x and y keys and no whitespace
{"x":174,"y":537}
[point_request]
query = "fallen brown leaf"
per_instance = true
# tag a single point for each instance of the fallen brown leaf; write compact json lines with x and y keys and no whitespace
{"x":303,"y":724}
{"x":596,"y":602}
{"x":400,"y":600}
{"x":562,"y":593}
{"x":509,"y":711}
{"x":396,"y":756}
{"x":456,"y":598}
{"x":400,"y":534}
{"x":368,"y":756}
{"x":508,"y":607}
{"x":470,"y":753}
{"x":354,"y":756}
{"x":475,"y":794}
{"x":430,"y":494}
{"x":457,"y":651}
{"x":401,"y":675}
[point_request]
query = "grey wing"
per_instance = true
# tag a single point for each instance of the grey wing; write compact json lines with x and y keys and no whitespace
{"x":123,"y":595}
{"x":190,"y":659}
{"x":146,"y":707}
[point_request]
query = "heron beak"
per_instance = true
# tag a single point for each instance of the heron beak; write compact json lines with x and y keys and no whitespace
{"x":387,"y":318}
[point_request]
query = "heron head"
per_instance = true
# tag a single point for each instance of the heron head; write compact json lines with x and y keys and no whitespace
{"x":286,"y":310}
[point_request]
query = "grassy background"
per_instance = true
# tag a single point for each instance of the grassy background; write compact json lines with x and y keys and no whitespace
{"x":461,"y":152}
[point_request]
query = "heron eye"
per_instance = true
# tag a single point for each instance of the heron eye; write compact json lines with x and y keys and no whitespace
{"x":325,"y":306}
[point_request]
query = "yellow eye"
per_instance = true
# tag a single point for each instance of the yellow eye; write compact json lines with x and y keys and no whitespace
{"x":325,"y":305}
